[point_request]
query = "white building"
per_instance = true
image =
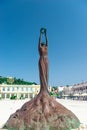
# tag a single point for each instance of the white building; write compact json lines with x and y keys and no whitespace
{"x":18,"y":91}
{"x":80,"y":90}
{"x":60,"y":88}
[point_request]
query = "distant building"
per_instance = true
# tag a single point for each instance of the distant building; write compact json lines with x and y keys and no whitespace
{"x":80,"y":90}
{"x":67,"y":91}
{"x":18,"y":91}
{"x":60,"y":88}
{"x":77,"y":91}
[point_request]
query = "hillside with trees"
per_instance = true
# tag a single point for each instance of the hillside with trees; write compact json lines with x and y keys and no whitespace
{"x":14,"y":80}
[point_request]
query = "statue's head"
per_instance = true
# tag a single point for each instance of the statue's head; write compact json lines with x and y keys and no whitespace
{"x":43,"y":30}
{"x":43,"y":44}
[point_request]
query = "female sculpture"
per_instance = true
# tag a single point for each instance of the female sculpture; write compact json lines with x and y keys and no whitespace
{"x":43,"y":61}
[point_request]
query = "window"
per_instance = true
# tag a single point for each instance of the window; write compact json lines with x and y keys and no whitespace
{"x":33,"y":89}
{"x":22,"y":89}
{"x":30,"y":89}
{"x":12,"y":88}
{"x":26,"y":95}
{"x":3,"y":88}
{"x":26,"y":89}
{"x":8,"y":89}
{"x":17,"y":88}
{"x":8,"y":95}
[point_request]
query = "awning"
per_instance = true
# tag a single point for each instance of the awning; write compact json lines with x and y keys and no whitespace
{"x":76,"y":94}
{"x":83,"y":94}
{"x":65,"y":95}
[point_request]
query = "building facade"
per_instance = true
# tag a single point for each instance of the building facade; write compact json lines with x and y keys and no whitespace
{"x":77,"y":91}
{"x":80,"y":90}
{"x":18,"y":91}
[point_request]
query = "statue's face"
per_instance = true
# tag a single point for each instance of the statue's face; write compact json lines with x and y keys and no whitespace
{"x":43,"y":44}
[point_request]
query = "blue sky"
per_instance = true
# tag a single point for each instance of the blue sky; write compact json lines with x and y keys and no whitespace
{"x":66,"y":23}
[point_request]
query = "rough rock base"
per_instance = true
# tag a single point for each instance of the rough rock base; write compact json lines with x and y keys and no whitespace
{"x":42,"y":113}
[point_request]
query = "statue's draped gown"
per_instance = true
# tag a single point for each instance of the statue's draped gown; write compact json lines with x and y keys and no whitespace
{"x":43,"y":66}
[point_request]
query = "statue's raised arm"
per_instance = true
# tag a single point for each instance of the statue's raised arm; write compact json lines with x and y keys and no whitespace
{"x":43,"y":32}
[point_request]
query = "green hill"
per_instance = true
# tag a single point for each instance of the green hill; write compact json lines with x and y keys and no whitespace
{"x":14,"y":81}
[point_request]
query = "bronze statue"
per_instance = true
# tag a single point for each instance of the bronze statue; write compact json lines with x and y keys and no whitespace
{"x":42,"y":112}
{"x":43,"y":61}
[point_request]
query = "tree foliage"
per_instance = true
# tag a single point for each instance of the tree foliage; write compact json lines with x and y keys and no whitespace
{"x":16,"y":81}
